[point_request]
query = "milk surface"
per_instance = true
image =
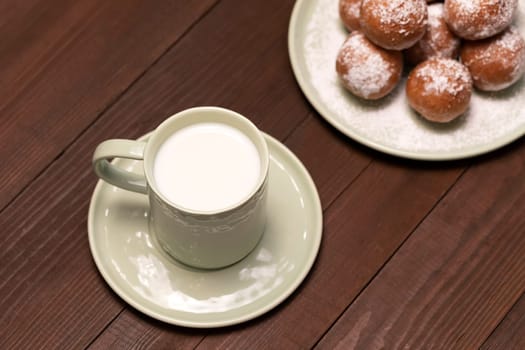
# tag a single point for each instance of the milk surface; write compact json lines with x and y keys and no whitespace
{"x":207,"y":167}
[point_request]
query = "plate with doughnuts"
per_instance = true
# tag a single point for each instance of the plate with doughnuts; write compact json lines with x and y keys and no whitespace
{"x":428,"y":80}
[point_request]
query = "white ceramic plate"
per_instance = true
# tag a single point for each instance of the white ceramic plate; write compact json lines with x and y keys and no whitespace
{"x":140,"y":272}
{"x":389,"y":125}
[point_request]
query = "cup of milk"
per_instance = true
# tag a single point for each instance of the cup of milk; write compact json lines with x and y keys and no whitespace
{"x":205,"y":175}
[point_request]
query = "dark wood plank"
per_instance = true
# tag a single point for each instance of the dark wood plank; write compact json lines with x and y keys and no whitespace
{"x":361,"y":231}
{"x":51,"y":293}
{"x":133,"y":330}
{"x":244,"y":70}
{"x":509,"y":333}
{"x":331,"y":159}
{"x":327,"y":141}
{"x":457,"y":276}
{"x":63,"y":62}
{"x":349,"y":258}
{"x":334,"y":165}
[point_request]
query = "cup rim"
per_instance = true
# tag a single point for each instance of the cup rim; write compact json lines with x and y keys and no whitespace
{"x":264,"y":158}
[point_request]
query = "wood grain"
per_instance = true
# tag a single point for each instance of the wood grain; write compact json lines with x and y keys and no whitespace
{"x":509,"y":333}
{"x":414,"y":254}
{"x":361,"y":232}
{"x":331,"y":159}
{"x":51,"y":293}
{"x":63,"y":62}
{"x":335,"y":166}
{"x":456,"y":277}
{"x":132,"y":329}
{"x":327,"y":142}
{"x":246,"y":71}
{"x":353,"y":247}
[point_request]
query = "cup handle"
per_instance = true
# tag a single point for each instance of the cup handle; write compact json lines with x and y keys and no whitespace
{"x":114,"y":175}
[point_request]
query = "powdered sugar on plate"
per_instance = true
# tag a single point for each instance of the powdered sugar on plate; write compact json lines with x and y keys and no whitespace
{"x":389,"y":124}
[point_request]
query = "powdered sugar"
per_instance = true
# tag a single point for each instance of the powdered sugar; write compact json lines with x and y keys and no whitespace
{"x":349,"y":11}
{"x":444,"y":75}
{"x":497,"y":62}
{"x":478,"y":19}
{"x":353,"y":8}
{"x":441,"y":42}
{"x":438,"y":40}
{"x":510,"y":40}
{"x":390,"y":123}
{"x":368,"y":72}
{"x":399,"y":12}
{"x":469,"y":7}
{"x":394,"y":24}
{"x":435,"y":13}
{"x":511,"y":47}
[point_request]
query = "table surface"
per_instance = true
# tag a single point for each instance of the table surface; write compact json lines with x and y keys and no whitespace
{"x":414,"y":254}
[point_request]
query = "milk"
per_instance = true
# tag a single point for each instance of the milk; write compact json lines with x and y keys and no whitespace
{"x":206,"y":167}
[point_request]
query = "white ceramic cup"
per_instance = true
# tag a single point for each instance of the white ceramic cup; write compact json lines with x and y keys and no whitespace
{"x":201,"y":239}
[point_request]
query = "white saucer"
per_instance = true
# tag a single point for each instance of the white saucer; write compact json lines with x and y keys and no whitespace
{"x":134,"y":266}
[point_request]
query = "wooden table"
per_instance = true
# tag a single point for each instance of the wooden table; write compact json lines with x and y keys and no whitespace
{"x":414,"y":254}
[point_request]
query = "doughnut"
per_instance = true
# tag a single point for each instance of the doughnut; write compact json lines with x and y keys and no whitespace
{"x":349,"y":13}
{"x":497,"y":62}
{"x":366,"y":70}
{"x":439,"y":89}
{"x":393,"y":24}
{"x":479,"y":19}
{"x":438,"y":40}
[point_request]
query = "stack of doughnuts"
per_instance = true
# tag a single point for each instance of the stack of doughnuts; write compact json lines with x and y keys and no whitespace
{"x":450,"y":47}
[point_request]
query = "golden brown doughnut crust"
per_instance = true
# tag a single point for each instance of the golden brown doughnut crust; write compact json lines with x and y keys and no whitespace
{"x":479,"y":19}
{"x":497,"y":62}
{"x":394,"y":24}
{"x":439,"y":89}
{"x":349,"y":13}
{"x":438,"y":41}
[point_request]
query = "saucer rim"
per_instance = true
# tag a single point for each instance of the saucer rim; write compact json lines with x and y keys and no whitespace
{"x":243,"y":317}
